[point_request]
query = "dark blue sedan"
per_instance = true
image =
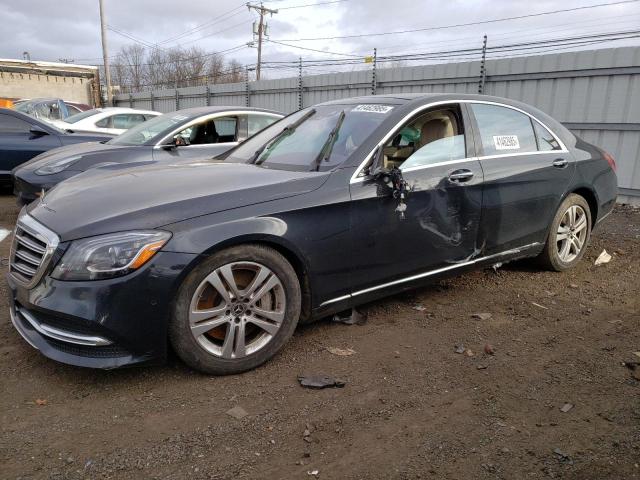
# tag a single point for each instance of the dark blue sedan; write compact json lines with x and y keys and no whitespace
{"x":23,"y":137}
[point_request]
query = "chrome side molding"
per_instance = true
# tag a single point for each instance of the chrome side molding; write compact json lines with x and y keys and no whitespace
{"x":430,"y":273}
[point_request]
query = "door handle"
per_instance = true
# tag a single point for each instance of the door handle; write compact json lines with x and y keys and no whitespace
{"x":459,"y":176}
{"x":560,"y":162}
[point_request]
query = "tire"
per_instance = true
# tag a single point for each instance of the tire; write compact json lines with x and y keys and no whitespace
{"x":223,"y":334}
{"x":562,"y":253}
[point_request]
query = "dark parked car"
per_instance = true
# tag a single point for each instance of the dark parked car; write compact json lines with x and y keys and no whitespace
{"x":334,"y":206}
{"x":187,"y":134}
{"x":22,"y":137}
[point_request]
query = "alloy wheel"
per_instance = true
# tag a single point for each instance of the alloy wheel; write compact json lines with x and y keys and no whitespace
{"x":237,"y":309}
{"x":572,"y":233}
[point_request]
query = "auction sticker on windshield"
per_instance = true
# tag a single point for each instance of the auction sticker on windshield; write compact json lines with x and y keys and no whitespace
{"x":373,"y":108}
{"x":506,"y":142}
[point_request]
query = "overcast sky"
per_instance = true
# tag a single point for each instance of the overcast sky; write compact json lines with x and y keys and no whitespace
{"x":50,"y":30}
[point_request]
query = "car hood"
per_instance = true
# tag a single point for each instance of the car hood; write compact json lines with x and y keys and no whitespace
{"x":120,"y":197}
{"x":78,"y":137}
{"x":81,"y":150}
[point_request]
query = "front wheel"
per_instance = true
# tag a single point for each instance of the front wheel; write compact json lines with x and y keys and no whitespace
{"x":569,"y":234}
{"x":235,"y":310}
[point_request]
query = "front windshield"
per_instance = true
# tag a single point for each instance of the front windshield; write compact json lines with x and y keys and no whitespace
{"x":310,"y":144}
{"x":82,"y":115}
{"x":145,"y":131}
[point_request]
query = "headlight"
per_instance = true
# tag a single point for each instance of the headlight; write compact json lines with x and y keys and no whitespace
{"x":56,"y":166}
{"x":108,"y":256}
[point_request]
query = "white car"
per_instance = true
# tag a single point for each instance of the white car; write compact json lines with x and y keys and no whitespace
{"x":115,"y":120}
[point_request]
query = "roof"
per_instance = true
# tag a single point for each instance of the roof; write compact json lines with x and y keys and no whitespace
{"x":195,"y":111}
{"x":17,"y":65}
{"x":422,"y":98}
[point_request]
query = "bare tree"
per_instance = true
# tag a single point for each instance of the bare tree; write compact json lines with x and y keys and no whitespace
{"x":215,"y":68}
{"x":132,"y":58}
{"x":136,"y":68}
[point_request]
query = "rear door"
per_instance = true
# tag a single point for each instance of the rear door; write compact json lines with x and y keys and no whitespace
{"x":18,"y":144}
{"x":526,"y":169}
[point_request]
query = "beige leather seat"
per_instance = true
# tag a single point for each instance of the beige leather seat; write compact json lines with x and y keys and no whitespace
{"x":436,"y":129}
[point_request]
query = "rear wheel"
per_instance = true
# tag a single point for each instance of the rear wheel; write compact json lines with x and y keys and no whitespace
{"x":236,"y":310}
{"x":569,"y":234}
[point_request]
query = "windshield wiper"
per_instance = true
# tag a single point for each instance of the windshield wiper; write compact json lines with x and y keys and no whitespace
{"x":327,"y":148}
{"x":284,"y":133}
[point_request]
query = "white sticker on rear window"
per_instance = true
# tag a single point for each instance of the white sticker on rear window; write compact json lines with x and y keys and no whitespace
{"x":179,"y":118}
{"x":373,"y":108}
{"x":506,"y":142}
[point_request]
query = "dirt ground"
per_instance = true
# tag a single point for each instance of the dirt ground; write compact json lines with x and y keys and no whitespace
{"x":412,"y":407}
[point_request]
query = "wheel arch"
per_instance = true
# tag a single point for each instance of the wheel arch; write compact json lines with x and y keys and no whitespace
{"x":282,"y":246}
{"x":592,"y":200}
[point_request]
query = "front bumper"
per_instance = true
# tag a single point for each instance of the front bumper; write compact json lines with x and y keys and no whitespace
{"x":105,"y":323}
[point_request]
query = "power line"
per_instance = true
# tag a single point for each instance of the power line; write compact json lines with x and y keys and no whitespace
{"x":314,"y":49}
{"x":312,"y":4}
{"x":441,"y":27}
{"x":204,"y":25}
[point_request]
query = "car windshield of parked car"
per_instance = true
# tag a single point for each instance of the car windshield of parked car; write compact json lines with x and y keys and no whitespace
{"x":149,"y":130}
{"x":318,"y":138}
{"x":81,"y":116}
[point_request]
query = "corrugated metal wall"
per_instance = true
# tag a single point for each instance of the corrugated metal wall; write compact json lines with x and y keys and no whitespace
{"x":596,"y":93}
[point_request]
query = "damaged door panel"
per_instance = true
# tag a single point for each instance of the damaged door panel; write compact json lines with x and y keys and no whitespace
{"x":436,"y":223}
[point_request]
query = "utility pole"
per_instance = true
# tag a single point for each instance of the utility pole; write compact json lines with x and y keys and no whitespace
{"x":105,"y":56}
{"x":260,"y":31}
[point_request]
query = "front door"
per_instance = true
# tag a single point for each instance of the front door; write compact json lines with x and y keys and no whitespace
{"x":439,"y":227}
{"x":206,"y":139}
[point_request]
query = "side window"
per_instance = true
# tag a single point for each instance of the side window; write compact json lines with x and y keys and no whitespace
{"x":432,"y":137}
{"x":258,"y":122}
{"x":225,"y":127}
{"x":546,"y":141}
{"x":503,"y":130}
{"x":218,"y":130}
{"x":105,"y":123}
{"x":127,"y":120}
{"x":9,"y":124}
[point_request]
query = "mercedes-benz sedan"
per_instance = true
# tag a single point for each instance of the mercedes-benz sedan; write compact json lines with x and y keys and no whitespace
{"x":333,"y":206}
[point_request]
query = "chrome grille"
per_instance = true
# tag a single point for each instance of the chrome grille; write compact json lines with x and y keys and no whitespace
{"x":31,"y":250}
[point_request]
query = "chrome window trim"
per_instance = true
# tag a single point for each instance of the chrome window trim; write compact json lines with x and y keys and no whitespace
{"x":209,"y":145}
{"x":36,"y":229}
{"x":439,"y":164}
{"x":430,"y":273}
{"x":211,"y":116}
{"x":358,"y":176}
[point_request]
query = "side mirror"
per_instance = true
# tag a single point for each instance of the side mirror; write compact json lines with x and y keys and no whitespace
{"x":377,"y":169}
{"x":37,"y":131}
{"x":180,"y":141}
{"x":177,"y":141}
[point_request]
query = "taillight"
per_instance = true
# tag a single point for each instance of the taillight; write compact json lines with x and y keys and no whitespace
{"x":610,"y":160}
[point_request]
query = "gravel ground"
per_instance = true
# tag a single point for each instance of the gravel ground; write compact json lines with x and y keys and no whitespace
{"x":412,"y":407}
